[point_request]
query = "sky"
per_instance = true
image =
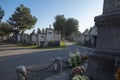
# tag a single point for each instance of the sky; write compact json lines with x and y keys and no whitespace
{"x":46,"y":10}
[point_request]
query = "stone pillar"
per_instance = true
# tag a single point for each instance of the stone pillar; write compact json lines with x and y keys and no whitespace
{"x":102,"y":62}
{"x":58,"y":64}
{"x":21,"y":72}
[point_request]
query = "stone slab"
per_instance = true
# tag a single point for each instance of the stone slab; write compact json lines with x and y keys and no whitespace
{"x":102,"y":66}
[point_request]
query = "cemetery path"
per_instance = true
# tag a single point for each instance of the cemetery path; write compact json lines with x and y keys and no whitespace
{"x":12,"y":56}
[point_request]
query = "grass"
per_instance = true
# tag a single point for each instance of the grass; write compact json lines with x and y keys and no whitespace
{"x":24,"y":45}
{"x":37,"y":47}
{"x":32,"y":47}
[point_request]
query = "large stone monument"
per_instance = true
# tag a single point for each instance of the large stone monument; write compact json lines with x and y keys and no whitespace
{"x":104,"y":61}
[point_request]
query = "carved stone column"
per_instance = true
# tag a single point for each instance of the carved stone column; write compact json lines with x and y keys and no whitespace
{"x":103,"y":61}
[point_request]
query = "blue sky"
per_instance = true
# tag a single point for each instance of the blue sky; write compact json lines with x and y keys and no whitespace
{"x":45,"y":10}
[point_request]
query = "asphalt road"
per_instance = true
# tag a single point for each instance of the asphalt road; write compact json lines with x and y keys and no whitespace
{"x":12,"y":56}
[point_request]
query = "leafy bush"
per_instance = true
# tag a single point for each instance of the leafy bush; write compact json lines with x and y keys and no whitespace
{"x":78,"y":58}
{"x":74,"y":59}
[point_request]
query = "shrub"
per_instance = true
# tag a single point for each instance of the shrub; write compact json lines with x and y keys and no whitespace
{"x":74,"y":59}
{"x":78,"y":58}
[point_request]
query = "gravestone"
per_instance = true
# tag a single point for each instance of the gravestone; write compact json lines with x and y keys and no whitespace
{"x":104,"y":61}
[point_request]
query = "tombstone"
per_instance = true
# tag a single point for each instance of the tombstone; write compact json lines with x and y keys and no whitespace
{"x":93,"y":36}
{"x":49,"y":34}
{"x":86,"y":37}
{"x":18,"y":38}
{"x":42,"y":40}
{"x":39,"y":38}
{"x":56,"y":38}
{"x":27,"y":39}
{"x":103,"y":62}
{"x":34,"y":39}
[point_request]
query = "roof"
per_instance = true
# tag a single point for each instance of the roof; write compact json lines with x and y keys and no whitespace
{"x":86,"y":32}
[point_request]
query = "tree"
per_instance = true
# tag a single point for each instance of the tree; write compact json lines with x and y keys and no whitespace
{"x":59,"y":24}
{"x":4,"y":29}
{"x":46,"y":30}
{"x":71,"y":26}
{"x":38,"y":31}
{"x":43,"y":31}
{"x":22,"y":19}
{"x":1,"y":13}
{"x":33,"y":32}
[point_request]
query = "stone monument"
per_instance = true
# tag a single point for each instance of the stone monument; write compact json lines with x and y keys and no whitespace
{"x":104,"y":61}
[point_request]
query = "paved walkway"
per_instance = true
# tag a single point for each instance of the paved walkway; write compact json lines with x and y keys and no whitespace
{"x":12,"y":56}
{"x":11,"y":49}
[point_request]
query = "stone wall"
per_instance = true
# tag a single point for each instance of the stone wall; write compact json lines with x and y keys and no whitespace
{"x":108,"y":32}
{"x":111,"y":6}
{"x":102,"y":62}
{"x":109,"y":38}
{"x":101,"y":67}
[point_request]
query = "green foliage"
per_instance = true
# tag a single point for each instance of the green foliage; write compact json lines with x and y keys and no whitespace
{"x":1,"y":13}
{"x":72,"y":60}
{"x":4,"y":29}
{"x":79,"y":77}
{"x":59,"y":24}
{"x":71,"y":26}
{"x":65,"y":26}
{"x":78,"y":58}
{"x":22,"y":18}
{"x":75,"y":59}
{"x":78,"y":73}
{"x":38,"y":31}
{"x":33,"y":32}
{"x":43,"y":31}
